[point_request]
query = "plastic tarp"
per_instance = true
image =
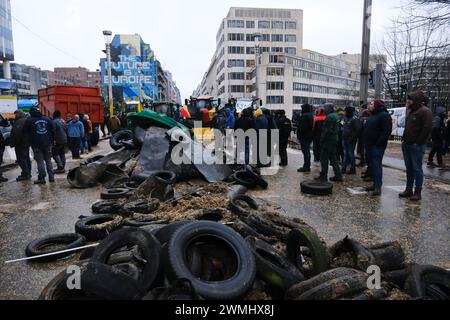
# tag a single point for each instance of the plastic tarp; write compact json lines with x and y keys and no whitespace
{"x":148,"y":118}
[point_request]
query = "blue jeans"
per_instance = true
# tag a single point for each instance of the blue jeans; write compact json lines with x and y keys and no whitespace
{"x":414,"y":155}
{"x":349,"y":154}
{"x":306,"y":150}
{"x":376,"y":155}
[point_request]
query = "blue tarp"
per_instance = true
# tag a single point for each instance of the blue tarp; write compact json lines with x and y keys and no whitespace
{"x":27,"y":103}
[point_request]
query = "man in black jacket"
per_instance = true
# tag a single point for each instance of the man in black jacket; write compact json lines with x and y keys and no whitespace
{"x":59,"y":150}
{"x":285,"y":127}
{"x":377,"y":133}
{"x":305,"y":130}
{"x":21,"y":144}
{"x":438,"y":138}
{"x":41,"y":131}
{"x":245,"y":122}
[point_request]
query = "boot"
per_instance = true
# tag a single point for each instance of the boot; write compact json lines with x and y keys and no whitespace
{"x":417,"y":196}
{"x":408,"y":193}
{"x":337,"y":179}
{"x":370,"y":189}
{"x":376,"y":192}
{"x":304,"y":170}
{"x":321,"y":178}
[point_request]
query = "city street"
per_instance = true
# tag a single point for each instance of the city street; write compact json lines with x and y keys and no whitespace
{"x":28,"y":212}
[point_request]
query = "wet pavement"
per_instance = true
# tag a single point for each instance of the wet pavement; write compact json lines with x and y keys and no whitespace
{"x":28,"y":212}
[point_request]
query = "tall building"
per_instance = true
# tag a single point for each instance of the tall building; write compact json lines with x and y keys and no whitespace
{"x":81,"y":77}
{"x":6,"y":37}
{"x":259,"y":54}
{"x":29,"y":79}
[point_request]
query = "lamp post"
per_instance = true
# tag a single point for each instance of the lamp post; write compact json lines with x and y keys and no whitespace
{"x":108,"y":36}
{"x":257,"y":36}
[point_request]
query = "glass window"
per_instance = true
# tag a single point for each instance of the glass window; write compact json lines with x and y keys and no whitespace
{"x":300,"y":86}
{"x":277,"y":49}
{"x":236,"y":50}
{"x":265,"y":37}
{"x":235,"y":37}
{"x":292,"y":51}
{"x":276,"y":59}
{"x":250,"y":50}
{"x":291,"y":25}
{"x":276,"y":85}
{"x":251,"y":63}
{"x":291,"y":38}
{"x":300,"y":100}
{"x":236,"y":89}
{"x":250,"y":24}
{"x":275,"y":100}
{"x":274,"y":71}
{"x":277,"y":25}
{"x":236,"y":76}
{"x":249,"y":37}
{"x":263,"y":24}
{"x":277,"y":38}
{"x":233,"y":63}
{"x":236,"y":24}
{"x":265,"y":49}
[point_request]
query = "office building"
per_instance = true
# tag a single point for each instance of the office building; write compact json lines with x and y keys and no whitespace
{"x":80,"y":77}
{"x":6,"y":38}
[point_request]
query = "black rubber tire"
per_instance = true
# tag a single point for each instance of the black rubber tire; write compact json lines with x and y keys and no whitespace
{"x":115,"y":194}
{"x":91,"y":160}
{"x":362,"y":257}
{"x":95,"y":137}
{"x":389,"y":256}
{"x":266,"y":227}
{"x":299,"y":289}
{"x":106,"y":207}
{"x":260,"y":181}
{"x":165,"y":234}
{"x":245,"y":179}
{"x":237,"y":209}
{"x":132,"y":185}
{"x":275,"y":270}
{"x":317,"y":188}
{"x":98,"y":227}
{"x":69,"y":241}
{"x":142,"y":207}
{"x":110,"y":283}
{"x":116,"y":140}
{"x":307,"y":237}
{"x":233,"y":288}
{"x":397,"y":277}
{"x":147,"y":244}
{"x":166,"y":177}
{"x":337,"y":288}
{"x":421,"y":277}
{"x":142,"y":222}
{"x":244,"y":230}
{"x":57,"y":289}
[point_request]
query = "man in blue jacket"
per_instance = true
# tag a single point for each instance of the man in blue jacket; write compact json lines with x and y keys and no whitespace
{"x":76,"y":133}
{"x":41,"y":131}
{"x":377,"y":133}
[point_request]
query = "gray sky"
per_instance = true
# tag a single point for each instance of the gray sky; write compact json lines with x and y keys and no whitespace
{"x":182,"y":33}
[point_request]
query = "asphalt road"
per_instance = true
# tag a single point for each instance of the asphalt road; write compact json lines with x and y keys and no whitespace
{"x":28,"y":212}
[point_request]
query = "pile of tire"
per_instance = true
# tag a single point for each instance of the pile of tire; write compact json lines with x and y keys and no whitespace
{"x":259,"y":254}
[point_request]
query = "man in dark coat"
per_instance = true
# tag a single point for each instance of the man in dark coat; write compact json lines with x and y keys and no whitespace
{"x":285,"y":128}
{"x":245,"y":122}
{"x":41,"y":131}
{"x":419,"y":124}
{"x":378,"y":131}
{"x":350,"y":134}
{"x":61,"y":141}
{"x":438,"y":138}
{"x":20,"y":141}
{"x":305,"y":135}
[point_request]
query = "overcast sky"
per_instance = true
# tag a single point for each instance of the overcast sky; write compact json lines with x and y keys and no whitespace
{"x":182,"y":33}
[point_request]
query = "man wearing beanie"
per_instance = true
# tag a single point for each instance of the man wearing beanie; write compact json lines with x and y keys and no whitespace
{"x":328,"y":146}
{"x":377,"y":133}
{"x":419,"y":124}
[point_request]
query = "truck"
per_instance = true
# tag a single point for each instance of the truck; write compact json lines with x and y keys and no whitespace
{"x":201,"y":109}
{"x":74,"y":100}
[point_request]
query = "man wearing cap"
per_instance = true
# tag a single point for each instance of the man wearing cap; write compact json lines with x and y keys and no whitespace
{"x":419,"y":124}
{"x":377,"y":133}
{"x":328,"y":146}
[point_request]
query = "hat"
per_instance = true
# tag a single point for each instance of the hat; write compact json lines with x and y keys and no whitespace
{"x":379,"y":104}
{"x":259,"y":113}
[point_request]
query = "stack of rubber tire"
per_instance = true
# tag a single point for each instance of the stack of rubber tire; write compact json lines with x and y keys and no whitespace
{"x":259,"y":256}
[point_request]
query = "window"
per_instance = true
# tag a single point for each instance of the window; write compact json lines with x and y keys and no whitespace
{"x":275,"y":85}
{"x":300,"y":100}
{"x":250,"y":24}
{"x":291,"y":38}
{"x":236,"y":50}
{"x":275,"y":100}
{"x":249,"y":89}
{"x":236,"y":89}
{"x":263,"y":24}
{"x":292,"y":51}
{"x":236,"y":76}
{"x":265,"y":37}
{"x":250,"y":50}
{"x":277,"y":25}
{"x":276,"y":59}
{"x":277,"y":50}
{"x":277,"y":38}
{"x":251,"y":63}
{"x":233,"y":63}
{"x":236,"y":24}
{"x":265,"y":49}
{"x":291,"y":25}
{"x":235,"y":37}
{"x":274,"y":71}
{"x":300,"y":87}
{"x":249,"y":37}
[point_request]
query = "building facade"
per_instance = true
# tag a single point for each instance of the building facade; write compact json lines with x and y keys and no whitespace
{"x":259,"y":54}
{"x":81,"y":77}
{"x":29,"y":79}
{"x":6,"y":37}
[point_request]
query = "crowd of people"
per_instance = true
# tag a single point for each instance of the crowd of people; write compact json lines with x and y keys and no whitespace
{"x":336,"y":135}
{"x":48,"y":139}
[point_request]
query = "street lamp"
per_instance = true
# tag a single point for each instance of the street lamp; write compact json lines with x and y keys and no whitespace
{"x":108,"y":37}
{"x":257,"y":36}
